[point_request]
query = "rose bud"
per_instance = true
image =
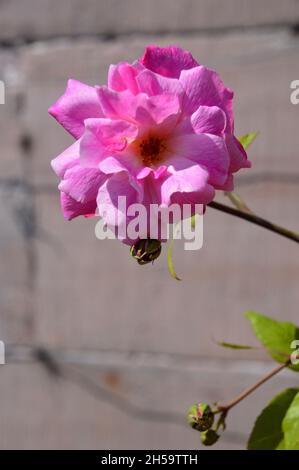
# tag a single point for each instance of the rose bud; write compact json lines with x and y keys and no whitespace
{"x":200,"y":417}
{"x":146,"y":250}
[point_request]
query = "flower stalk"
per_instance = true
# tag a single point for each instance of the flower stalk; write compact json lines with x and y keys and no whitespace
{"x":255,"y":219}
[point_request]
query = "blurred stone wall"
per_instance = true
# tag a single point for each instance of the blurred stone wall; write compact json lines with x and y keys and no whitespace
{"x":137,"y":348}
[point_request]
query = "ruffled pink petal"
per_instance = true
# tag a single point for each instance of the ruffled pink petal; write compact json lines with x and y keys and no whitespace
{"x":228,"y":185}
{"x":66,"y":159}
{"x":78,"y":103}
{"x":207,"y":150}
{"x":103,"y":137}
{"x":151,"y":184}
{"x":152,"y":199}
{"x":123,"y":77}
{"x":82,"y":184}
{"x":110,"y":207}
{"x":118,"y":163}
{"x":167,"y":61}
{"x":188,"y":185}
{"x":140,"y":109}
{"x":72,"y":208}
{"x":161,"y":108}
{"x":238,"y":156}
{"x":156,"y":173}
{"x":120,"y":105}
{"x":204,"y":87}
{"x":208,"y":120}
{"x":111,"y":165}
{"x":154,"y":84}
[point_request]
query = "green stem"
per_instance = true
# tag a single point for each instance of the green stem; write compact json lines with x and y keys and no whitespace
{"x":225,"y":408}
{"x":255,"y":219}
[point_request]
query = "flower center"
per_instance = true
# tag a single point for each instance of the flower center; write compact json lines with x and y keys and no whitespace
{"x":151,"y":150}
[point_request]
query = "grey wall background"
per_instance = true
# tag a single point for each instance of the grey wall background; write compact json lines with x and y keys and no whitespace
{"x":130,"y":336}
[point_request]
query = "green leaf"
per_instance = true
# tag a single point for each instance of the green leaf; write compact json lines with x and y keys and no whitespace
{"x":276,"y":336}
{"x":247,"y":139}
{"x":170,"y":262}
{"x":269,"y":431}
{"x":290,"y":425}
{"x":234,"y":346}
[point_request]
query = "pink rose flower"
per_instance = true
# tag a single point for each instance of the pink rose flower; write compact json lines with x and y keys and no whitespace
{"x":161,"y":131}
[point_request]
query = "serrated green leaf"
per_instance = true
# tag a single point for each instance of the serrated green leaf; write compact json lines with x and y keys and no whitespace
{"x":170,"y":262}
{"x":247,"y":139}
{"x":234,"y":346}
{"x":268,"y":432}
{"x":276,"y":336}
{"x":290,"y":425}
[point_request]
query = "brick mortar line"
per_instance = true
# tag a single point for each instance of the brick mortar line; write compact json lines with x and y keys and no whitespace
{"x":110,"y":37}
{"x":132,"y":359}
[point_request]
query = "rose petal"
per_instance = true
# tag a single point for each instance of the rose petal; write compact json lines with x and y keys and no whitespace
{"x":140,"y":109}
{"x":208,"y":120}
{"x":204,"y":87}
{"x":117,"y":163}
{"x":123,"y":76}
{"x":120,"y":184}
{"x":207,"y":150}
{"x":103,"y":137}
{"x":228,"y":185}
{"x":238,"y":156}
{"x":82,"y":184}
{"x":154,"y":84}
{"x":72,"y":208}
{"x":66,"y":159}
{"x":191,"y":183}
{"x":167,"y":61}
{"x":78,"y":103}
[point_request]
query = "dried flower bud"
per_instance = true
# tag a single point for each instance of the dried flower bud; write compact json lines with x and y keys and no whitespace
{"x":200,"y":417}
{"x":146,"y":250}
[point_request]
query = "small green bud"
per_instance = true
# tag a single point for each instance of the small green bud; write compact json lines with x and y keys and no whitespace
{"x":146,"y":250}
{"x":200,"y":417}
{"x":209,"y":437}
